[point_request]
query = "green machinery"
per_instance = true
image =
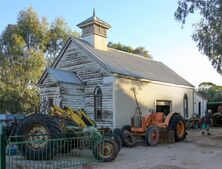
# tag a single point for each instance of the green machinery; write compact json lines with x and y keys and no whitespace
{"x":64,"y":123}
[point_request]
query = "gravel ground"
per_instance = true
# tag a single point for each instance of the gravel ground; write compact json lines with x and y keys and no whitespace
{"x":196,"y":152}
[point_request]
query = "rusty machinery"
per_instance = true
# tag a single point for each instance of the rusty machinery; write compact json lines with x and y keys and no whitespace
{"x":149,"y":126}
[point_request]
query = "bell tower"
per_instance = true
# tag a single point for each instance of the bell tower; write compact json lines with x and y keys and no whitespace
{"x":94,"y":31}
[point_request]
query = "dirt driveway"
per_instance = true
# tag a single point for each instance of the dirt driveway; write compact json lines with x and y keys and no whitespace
{"x":196,"y":152}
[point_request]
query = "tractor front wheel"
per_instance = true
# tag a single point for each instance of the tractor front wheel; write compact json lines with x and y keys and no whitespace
{"x":105,"y":150}
{"x":152,"y":136}
{"x":127,"y":139}
{"x":116,"y":138}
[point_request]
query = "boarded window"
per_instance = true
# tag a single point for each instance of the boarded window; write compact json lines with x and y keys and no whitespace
{"x":98,"y":104}
{"x":185,"y":106}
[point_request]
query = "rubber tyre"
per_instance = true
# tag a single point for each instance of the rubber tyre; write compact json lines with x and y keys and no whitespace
{"x":50,"y":149}
{"x":116,"y":138}
{"x":152,"y":136}
{"x":117,"y":131}
{"x":177,"y":124}
{"x":126,"y":127}
{"x":105,"y":150}
{"x":127,"y":139}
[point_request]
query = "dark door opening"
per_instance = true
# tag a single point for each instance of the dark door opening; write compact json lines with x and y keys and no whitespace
{"x":163,"y":108}
{"x":199,"y":108}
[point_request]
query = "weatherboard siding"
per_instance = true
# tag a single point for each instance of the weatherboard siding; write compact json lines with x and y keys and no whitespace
{"x":72,"y":95}
{"x":88,"y":69}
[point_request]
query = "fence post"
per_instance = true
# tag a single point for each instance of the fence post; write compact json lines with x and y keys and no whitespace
{"x":2,"y":146}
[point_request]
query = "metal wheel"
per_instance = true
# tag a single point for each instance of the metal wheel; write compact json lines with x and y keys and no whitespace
{"x":152,"y":136}
{"x":180,"y":128}
{"x":177,"y":123}
{"x":40,"y":132}
{"x":37,"y":137}
{"x":106,"y":150}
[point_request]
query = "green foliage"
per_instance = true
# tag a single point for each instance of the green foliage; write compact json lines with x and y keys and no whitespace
{"x":57,"y":35}
{"x":23,"y":48}
{"x":22,"y":63}
{"x":138,"y":51}
{"x":210,"y":91}
{"x":208,"y":34}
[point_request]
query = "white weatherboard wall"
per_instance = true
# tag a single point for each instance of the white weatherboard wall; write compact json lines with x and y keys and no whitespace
{"x":203,"y":102}
{"x":147,"y":94}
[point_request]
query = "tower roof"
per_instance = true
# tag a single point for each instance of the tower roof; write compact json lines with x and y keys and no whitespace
{"x":94,"y":20}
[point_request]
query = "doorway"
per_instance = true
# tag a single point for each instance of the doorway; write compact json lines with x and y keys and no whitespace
{"x":163,"y":106}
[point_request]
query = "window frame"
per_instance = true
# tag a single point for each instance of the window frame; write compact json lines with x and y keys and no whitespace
{"x":98,"y":106}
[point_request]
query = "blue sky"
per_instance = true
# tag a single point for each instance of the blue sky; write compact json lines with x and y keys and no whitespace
{"x":137,"y":23}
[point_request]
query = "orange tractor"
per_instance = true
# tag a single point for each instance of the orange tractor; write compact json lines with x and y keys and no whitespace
{"x":149,"y":126}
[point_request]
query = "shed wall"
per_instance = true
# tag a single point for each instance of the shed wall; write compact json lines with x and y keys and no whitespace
{"x":147,"y":94}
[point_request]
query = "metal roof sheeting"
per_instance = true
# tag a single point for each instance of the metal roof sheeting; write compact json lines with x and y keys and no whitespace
{"x":64,"y":76}
{"x":92,"y":20}
{"x":128,"y":64}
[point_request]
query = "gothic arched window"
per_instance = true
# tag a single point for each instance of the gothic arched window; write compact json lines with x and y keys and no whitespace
{"x":98,"y":104}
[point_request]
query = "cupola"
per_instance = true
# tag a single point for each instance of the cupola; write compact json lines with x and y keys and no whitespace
{"x":94,"y":31}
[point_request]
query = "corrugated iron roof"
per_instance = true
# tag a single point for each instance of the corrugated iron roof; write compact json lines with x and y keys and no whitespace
{"x":135,"y":66}
{"x":64,"y":76}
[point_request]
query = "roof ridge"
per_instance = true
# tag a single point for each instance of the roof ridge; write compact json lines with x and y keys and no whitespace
{"x":140,"y":56}
{"x":109,"y":65}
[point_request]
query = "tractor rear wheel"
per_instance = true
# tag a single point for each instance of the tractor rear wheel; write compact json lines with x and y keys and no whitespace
{"x":177,"y":123}
{"x":152,"y":136}
{"x":127,"y":139}
{"x":105,"y":150}
{"x":38,"y":131}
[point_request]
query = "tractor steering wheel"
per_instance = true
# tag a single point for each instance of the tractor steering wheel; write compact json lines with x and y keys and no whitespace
{"x":151,"y":111}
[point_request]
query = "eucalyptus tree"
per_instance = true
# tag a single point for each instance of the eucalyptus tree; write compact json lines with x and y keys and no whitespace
{"x":208,"y":34}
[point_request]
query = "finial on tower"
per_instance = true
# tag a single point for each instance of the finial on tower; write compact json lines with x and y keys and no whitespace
{"x":94,"y":12}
